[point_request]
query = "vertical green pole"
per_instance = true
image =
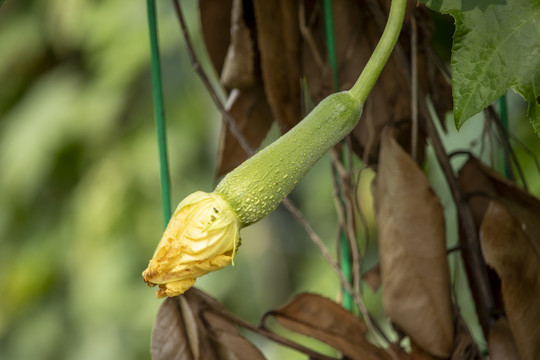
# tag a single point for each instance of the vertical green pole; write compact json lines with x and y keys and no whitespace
{"x":503,"y":115}
{"x":159,"y":113}
{"x":330,"y":41}
{"x":344,"y":247}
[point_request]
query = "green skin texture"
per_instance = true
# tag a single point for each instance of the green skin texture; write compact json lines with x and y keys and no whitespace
{"x":257,"y":186}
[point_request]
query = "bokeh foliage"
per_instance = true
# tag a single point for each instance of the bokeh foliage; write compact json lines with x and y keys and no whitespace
{"x":79,"y":190}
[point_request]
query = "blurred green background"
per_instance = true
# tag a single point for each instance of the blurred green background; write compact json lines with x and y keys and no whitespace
{"x":80,"y":211}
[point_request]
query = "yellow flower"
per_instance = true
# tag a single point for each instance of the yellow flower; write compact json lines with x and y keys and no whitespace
{"x":202,"y":236}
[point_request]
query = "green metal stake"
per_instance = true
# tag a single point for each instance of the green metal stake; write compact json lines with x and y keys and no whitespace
{"x":503,"y":115}
{"x":330,"y":40}
{"x":344,"y":247}
{"x":159,"y":112}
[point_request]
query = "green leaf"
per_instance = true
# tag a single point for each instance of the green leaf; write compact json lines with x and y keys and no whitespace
{"x":496,"y":47}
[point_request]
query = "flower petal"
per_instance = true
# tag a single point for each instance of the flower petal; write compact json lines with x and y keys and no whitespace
{"x":202,"y":236}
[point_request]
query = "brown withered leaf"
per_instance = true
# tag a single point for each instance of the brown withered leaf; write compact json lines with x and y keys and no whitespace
{"x":501,"y":345}
{"x":412,"y":250}
{"x":417,"y":353}
{"x":253,"y":116}
{"x":465,"y":347}
{"x":239,"y":67}
{"x":169,"y":337}
{"x":481,"y":183}
{"x":228,"y":342}
{"x":279,"y":45}
{"x":474,"y":180}
{"x":191,"y":327}
{"x":509,"y":244}
{"x":320,"y":318}
{"x":215,"y":25}
{"x":372,"y":277}
{"x":229,"y":57}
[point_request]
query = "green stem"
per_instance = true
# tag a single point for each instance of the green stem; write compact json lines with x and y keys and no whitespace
{"x":159,"y":113}
{"x":378,"y":59}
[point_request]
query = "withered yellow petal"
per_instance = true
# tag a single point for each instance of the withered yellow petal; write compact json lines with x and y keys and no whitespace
{"x":201,"y":236}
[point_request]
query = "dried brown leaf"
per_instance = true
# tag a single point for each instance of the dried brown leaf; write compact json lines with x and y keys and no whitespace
{"x":465,"y":347}
{"x":417,"y":353}
{"x":191,"y":327}
{"x":169,"y":338}
{"x":231,"y":347}
{"x":475,"y":180}
{"x":249,"y":109}
{"x":481,"y":183}
{"x":501,"y":345}
{"x":215,"y":25}
{"x":228,"y":343}
{"x":320,"y":318}
{"x":508,"y":244}
{"x":229,"y":41}
{"x":412,"y":248}
{"x":225,"y":338}
{"x":278,"y":41}
{"x":372,"y":277}
{"x":239,"y":68}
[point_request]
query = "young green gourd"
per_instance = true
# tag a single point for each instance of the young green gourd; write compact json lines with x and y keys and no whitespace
{"x":203,"y":233}
{"x":257,"y":186}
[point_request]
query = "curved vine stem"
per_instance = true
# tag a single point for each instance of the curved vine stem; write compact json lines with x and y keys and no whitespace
{"x":378,"y":59}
